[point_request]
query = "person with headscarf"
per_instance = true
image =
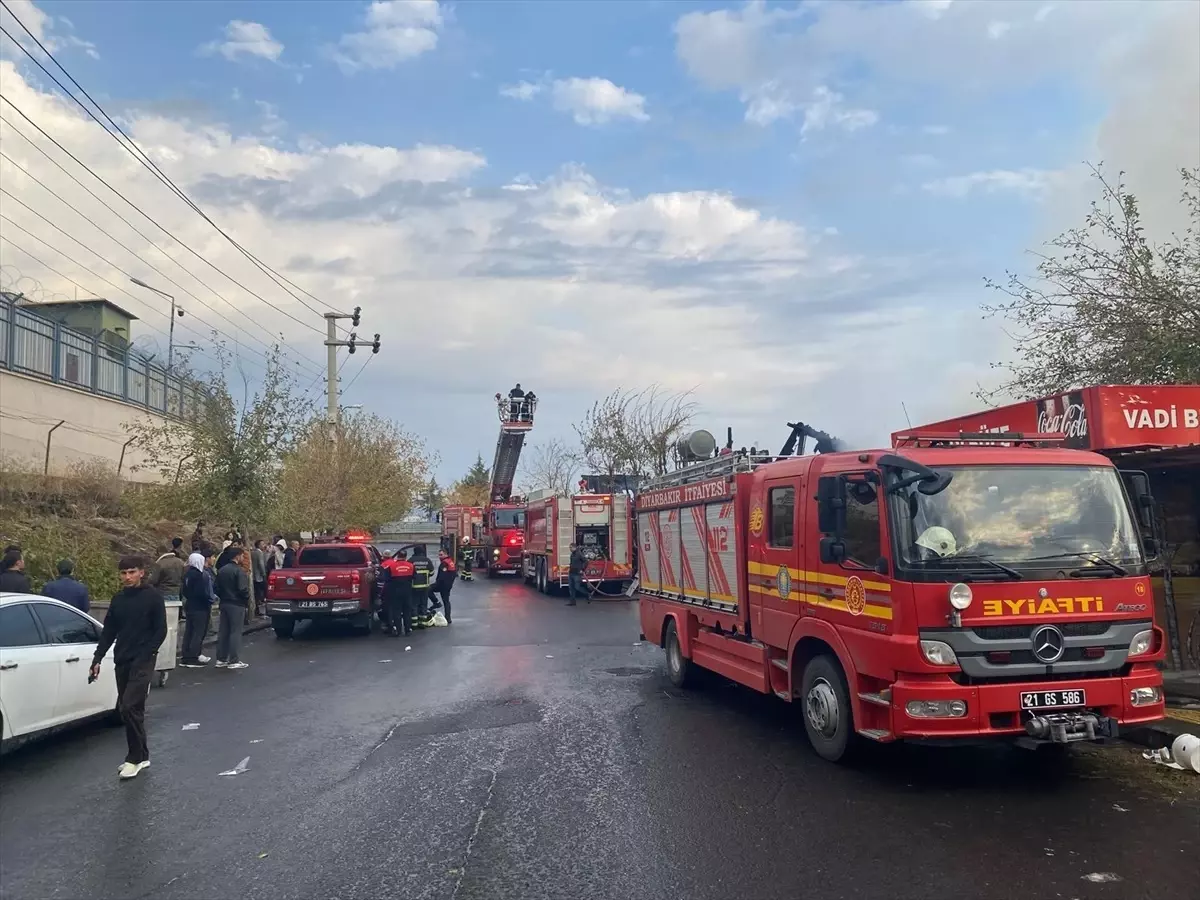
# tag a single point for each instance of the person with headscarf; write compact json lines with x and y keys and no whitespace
{"x":198,"y":596}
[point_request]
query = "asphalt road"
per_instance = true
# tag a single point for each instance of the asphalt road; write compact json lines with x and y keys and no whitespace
{"x":533,"y":750}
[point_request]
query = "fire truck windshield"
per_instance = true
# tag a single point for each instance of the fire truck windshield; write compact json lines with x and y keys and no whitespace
{"x":508,"y":518}
{"x":1073,"y":518}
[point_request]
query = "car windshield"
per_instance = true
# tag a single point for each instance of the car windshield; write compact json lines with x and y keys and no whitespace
{"x":508,"y":518}
{"x":1019,"y":516}
{"x":332,"y":556}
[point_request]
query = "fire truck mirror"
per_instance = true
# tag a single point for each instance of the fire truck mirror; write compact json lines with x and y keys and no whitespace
{"x":832,"y":550}
{"x":831,"y":505}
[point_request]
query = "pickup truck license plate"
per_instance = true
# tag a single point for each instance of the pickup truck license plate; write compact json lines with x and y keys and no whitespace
{"x":1052,"y":699}
{"x":314,"y":604}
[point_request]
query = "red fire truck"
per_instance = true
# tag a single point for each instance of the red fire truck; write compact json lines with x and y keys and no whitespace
{"x":976,"y":589}
{"x":599,"y":523}
{"x":504,"y":515}
{"x":460,"y":522}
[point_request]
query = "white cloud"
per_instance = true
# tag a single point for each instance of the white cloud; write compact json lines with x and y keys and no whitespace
{"x":523,"y":90}
{"x":998,"y":29}
{"x":826,"y":109}
{"x":55,"y":33}
{"x":596,"y":101}
{"x":1029,"y":182}
{"x":242,"y":39}
{"x":590,"y":101}
{"x":690,"y":288}
{"x":396,"y":31}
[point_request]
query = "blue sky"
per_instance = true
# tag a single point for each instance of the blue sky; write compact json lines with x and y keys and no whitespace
{"x":788,"y":208}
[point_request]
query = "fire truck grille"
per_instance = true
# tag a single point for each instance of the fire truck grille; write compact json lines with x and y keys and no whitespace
{"x":1024,"y":632}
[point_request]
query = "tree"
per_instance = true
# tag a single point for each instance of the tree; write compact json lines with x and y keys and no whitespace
{"x":472,"y":488}
{"x":222,"y":464}
{"x":358,"y":474}
{"x":632,"y":432}
{"x":551,"y":466}
{"x":432,"y":498}
{"x":1106,"y":305}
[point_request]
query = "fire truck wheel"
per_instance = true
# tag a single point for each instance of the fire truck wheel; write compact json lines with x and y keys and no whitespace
{"x":679,"y":667}
{"x":828,"y":716}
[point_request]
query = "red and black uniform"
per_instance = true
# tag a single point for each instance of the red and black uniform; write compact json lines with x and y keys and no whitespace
{"x":397,"y":594}
{"x":446,"y":574}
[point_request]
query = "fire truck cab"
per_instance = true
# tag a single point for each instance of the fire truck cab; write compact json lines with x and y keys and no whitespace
{"x":946,"y":590}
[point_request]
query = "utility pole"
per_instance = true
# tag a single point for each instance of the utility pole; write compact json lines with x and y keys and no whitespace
{"x":332,"y":390}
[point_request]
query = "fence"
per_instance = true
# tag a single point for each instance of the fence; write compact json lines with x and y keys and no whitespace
{"x":34,"y":345}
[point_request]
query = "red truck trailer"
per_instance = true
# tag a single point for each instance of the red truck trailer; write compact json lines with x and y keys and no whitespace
{"x":944,"y":593}
{"x":599,"y":523}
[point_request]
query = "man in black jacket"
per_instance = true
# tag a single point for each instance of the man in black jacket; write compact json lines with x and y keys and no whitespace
{"x":233,"y":592}
{"x":575,"y":575}
{"x":137,"y":622}
{"x":12,"y":572}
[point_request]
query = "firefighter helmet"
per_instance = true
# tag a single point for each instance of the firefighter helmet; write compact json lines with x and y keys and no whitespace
{"x":938,"y":540}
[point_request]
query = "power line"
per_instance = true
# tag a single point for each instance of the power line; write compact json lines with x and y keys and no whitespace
{"x":89,"y":271}
{"x":134,"y":207}
{"x":136,"y":230}
{"x":133,"y":149}
{"x":126,"y":248}
{"x":356,"y":374}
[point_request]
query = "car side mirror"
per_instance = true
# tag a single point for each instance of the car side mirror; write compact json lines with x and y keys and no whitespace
{"x":831,"y":505}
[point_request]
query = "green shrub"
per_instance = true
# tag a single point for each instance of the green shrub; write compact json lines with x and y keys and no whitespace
{"x":45,"y":541}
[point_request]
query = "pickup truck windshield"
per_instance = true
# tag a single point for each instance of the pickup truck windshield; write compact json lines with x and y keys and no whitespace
{"x":1024,"y":517}
{"x":508,"y":518}
{"x":332,"y":556}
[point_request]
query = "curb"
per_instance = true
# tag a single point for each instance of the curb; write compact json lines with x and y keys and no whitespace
{"x":1158,"y":734}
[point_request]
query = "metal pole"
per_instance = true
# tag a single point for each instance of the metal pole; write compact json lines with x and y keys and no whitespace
{"x":124,"y":447}
{"x":49,"y":434}
{"x":331,"y":385}
{"x":171,"y":340}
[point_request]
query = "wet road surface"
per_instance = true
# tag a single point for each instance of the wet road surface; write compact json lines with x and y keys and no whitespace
{"x":537,"y":751}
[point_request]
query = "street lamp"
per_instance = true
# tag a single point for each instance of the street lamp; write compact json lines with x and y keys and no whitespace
{"x":174,"y":312}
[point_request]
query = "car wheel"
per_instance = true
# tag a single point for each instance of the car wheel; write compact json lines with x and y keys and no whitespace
{"x":283,"y":627}
{"x":364,"y":623}
{"x":828,"y":715}
{"x":679,"y":667}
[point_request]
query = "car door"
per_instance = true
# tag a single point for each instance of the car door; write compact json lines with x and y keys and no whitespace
{"x":780,"y":570}
{"x":29,"y":672}
{"x":74,"y":636}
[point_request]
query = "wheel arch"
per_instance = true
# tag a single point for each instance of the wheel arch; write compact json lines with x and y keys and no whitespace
{"x":814,"y":637}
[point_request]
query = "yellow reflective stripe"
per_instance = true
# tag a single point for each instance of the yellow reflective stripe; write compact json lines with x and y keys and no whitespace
{"x":757,"y":568}
{"x":872,"y":610}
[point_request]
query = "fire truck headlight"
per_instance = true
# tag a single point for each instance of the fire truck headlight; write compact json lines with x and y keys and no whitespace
{"x":960,"y":596}
{"x":939,"y":653}
{"x":496,"y":552}
{"x":1141,"y":643}
{"x":1145,"y":696}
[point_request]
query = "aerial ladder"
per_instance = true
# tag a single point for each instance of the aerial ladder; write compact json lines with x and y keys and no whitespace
{"x":504,"y":515}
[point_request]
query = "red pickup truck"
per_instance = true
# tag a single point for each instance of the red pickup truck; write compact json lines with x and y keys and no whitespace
{"x":329,"y":581}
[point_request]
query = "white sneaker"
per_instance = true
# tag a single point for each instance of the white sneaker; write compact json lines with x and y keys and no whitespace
{"x":128,"y":770}
{"x":204,"y":659}
{"x":221,"y":664}
{"x":144,"y":764}
{"x":238,"y":665}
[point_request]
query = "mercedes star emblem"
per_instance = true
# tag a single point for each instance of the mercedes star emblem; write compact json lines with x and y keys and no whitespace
{"x":1048,"y":644}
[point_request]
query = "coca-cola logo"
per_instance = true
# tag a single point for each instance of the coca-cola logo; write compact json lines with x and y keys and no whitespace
{"x":1065,"y":414}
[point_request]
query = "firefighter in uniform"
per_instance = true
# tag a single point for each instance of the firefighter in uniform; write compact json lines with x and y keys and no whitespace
{"x":466,"y":557}
{"x":446,"y":574}
{"x":397,"y":593}
{"x":422,"y":581}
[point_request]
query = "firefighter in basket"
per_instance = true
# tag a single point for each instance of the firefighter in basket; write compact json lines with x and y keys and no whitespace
{"x":466,"y":558}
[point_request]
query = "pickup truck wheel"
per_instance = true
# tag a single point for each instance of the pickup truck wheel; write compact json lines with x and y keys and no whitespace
{"x":364,"y":623}
{"x":828,"y":715}
{"x":679,"y":667}
{"x":283,"y":627}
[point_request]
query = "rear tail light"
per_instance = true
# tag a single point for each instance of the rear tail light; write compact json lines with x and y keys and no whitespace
{"x":355,"y":581}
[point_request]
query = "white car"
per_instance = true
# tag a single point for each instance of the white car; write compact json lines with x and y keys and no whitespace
{"x":46,"y":649}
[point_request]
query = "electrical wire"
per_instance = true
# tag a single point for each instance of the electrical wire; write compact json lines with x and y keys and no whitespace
{"x":299,"y":358}
{"x":356,"y":374}
{"x":134,"y":207}
{"x":135,"y":255}
{"x":133,"y":149}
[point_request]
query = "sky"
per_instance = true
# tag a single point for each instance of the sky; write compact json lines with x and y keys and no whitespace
{"x":788,"y":209}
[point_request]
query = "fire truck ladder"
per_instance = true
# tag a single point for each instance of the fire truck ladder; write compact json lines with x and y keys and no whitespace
{"x":721,"y":466}
{"x":508,"y":448}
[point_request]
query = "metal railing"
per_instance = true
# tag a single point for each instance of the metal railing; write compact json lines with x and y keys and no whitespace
{"x":39,"y":347}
